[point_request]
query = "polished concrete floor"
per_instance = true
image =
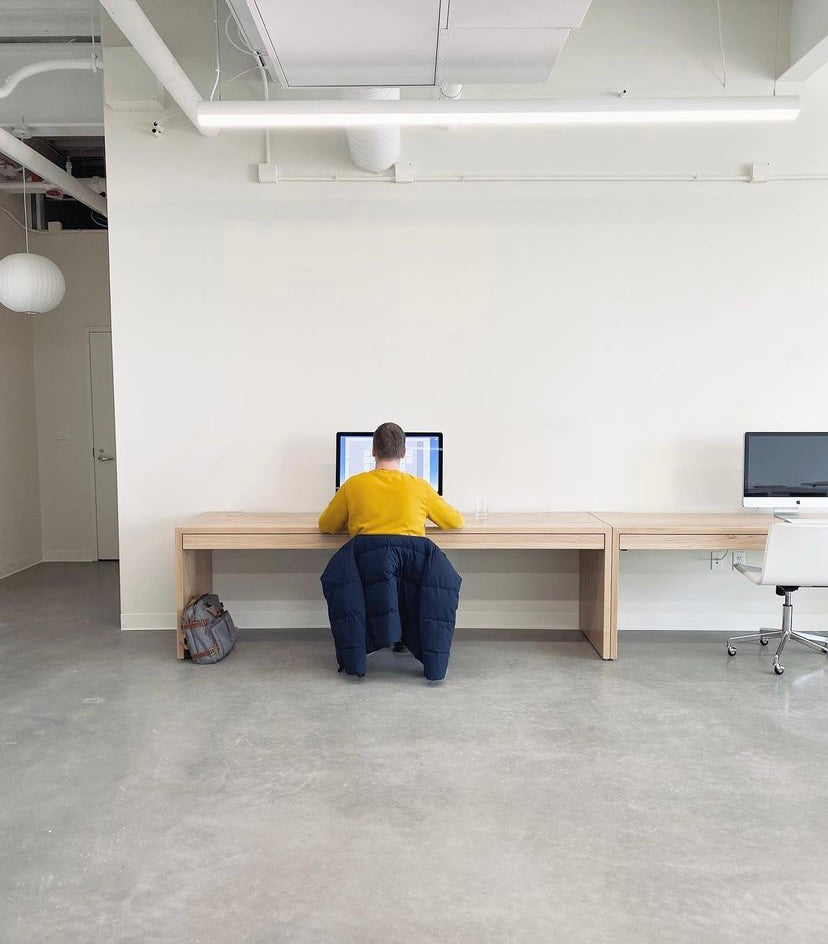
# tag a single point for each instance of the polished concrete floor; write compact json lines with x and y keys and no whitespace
{"x":538,"y":795}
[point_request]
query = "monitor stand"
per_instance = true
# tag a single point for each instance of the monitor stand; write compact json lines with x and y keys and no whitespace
{"x":795,"y":514}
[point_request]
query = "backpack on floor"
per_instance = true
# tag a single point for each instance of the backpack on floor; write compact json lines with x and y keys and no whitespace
{"x":208,"y":629}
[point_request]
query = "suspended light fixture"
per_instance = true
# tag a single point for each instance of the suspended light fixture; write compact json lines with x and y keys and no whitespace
{"x":28,"y":282}
{"x":465,"y":112}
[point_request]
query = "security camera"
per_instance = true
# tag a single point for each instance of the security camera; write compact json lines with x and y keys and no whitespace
{"x":156,"y":129}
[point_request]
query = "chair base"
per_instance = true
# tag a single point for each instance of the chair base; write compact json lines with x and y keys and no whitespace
{"x":820,"y":643}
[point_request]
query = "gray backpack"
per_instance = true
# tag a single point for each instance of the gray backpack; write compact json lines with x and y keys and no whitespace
{"x":208,"y":629}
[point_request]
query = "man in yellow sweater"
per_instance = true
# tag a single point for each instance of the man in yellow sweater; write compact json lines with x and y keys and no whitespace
{"x":386,"y":500}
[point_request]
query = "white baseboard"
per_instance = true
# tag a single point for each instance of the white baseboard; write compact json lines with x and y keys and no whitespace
{"x":22,"y":563}
{"x":139,"y":621}
{"x":68,"y":556}
{"x":473,"y":614}
{"x":309,"y":614}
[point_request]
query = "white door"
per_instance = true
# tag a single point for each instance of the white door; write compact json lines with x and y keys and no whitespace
{"x":103,"y":439}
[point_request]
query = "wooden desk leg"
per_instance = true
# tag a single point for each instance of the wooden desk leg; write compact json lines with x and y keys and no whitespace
{"x":615,"y":570}
{"x":194,"y":576}
{"x":595,"y":601}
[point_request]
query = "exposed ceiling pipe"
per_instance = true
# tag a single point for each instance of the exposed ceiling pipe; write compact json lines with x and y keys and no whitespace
{"x":133,"y":23}
{"x":373,"y":149}
{"x":48,"y":65}
{"x":97,"y":184}
{"x":21,"y":153}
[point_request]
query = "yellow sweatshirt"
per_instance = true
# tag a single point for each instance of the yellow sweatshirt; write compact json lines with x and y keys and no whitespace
{"x":385,"y":501}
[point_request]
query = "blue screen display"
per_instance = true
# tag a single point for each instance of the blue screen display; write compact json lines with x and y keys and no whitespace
{"x":423,"y":456}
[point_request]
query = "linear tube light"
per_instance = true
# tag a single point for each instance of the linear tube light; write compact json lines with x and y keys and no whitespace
{"x":372,"y":114}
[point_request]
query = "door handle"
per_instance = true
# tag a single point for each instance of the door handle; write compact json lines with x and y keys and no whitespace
{"x":102,"y":458}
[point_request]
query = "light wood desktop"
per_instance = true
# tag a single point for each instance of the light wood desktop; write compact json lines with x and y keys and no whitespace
{"x":599,"y":539}
{"x":196,"y":540}
{"x":678,"y":532}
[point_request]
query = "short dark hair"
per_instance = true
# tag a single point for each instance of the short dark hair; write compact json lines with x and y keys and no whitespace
{"x":389,"y":441}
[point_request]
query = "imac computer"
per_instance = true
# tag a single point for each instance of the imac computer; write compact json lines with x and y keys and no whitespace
{"x":786,"y":471}
{"x":423,"y":456}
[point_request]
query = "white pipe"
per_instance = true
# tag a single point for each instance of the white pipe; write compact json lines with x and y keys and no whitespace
{"x":48,"y":65}
{"x":266,"y":89}
{"x":96,"y":184}
{"x":542,"y":178}
{"x":133,"y":23}
{"x":31,"y":187}
{"x":53,"y":124}
{"x":373,"y":149}
{"x":37,"y":163}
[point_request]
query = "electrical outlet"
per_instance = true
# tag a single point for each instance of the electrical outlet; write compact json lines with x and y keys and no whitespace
{"x":717,"y":560}
{"x":739,"y":557}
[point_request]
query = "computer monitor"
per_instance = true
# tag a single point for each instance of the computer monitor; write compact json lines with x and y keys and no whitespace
{"x":423,"y":456}
{"x":786,"y":470}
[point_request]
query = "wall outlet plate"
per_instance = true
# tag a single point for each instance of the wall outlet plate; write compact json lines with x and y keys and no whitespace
{"x":739,"y":557}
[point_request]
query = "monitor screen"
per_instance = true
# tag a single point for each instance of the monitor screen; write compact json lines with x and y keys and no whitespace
{"x":786,"y":469}
{"x":423,"y":456}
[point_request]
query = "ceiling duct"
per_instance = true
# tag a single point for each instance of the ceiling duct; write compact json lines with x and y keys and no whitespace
{"x":373,"y":149}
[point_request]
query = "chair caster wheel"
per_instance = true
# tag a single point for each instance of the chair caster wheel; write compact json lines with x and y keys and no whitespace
{"x":763,"y":641}
{"x":731,"y":650}
{"x":779,"y":669}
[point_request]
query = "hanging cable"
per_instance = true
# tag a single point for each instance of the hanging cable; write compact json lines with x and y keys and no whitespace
{"x":14,"y":219}
{"x":25,"y":208}
{"x":218,"y":57}
{"x":238,"y":75}
{"x":721,"y":42}
{"x":776,"y":47}
{"x":248,"y":51}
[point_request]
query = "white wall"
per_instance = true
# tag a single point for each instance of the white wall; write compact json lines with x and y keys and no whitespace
{"x":19,"y":499}
{"x":61,"y":359}
{"x":45,"y":463}
{"x":613,"y":341}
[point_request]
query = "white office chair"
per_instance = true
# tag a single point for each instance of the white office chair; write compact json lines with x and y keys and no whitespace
{"x":796,"y":555}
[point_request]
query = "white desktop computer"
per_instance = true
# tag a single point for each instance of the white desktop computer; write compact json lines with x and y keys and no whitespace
{"x":786,"y":471}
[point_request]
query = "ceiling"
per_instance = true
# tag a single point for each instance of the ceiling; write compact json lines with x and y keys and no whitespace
{"x":318,"y":43}
{"x":47,"y":20}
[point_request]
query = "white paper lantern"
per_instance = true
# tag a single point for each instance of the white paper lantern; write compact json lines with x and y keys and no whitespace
{"x":30,"y":283}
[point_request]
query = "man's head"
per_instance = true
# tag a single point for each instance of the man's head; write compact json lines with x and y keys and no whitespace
{"x":389,"y":443}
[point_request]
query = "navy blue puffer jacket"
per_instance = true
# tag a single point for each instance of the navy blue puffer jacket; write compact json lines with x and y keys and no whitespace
{"x":381,"y":588}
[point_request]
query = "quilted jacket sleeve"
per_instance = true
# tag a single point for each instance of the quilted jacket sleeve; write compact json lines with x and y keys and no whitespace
{"x":342,"y":588}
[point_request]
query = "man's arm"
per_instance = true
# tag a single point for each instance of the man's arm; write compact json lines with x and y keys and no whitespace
{"x":335,"y":517}
{"x":442,"y":513}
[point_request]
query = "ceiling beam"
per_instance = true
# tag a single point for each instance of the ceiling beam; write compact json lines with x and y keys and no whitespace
{"x":131,"y":20}
{"x":17,"y":151}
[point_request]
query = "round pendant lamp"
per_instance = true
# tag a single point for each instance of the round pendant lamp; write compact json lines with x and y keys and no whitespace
{"x":28,"y":282}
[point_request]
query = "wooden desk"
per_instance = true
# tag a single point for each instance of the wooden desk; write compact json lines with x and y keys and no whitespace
{"x":196,"y":540}
{"x":678,"y":532}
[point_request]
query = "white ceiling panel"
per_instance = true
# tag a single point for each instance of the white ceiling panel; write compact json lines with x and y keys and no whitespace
{"x":498,"y":55}
{"x":340,"y":43}
{"x":517,"y":14}
{"x":46,"y":18}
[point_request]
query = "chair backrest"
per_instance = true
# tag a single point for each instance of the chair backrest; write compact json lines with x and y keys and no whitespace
{"x":796,"y":554}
